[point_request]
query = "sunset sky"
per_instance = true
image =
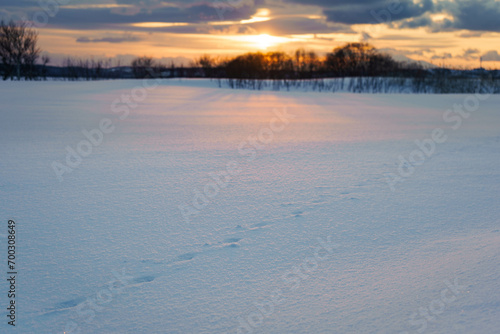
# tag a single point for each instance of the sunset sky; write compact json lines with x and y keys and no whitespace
{"x":453,"y":33}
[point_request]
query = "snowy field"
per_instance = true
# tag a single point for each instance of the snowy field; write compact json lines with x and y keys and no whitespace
{"x":185,"y":208}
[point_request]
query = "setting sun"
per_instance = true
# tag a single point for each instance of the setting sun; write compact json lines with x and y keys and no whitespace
{"x":257,"y":42}
{"x":265,"y":41}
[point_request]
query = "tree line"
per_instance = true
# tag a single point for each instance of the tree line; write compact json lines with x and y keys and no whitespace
{"x":21,"y":58}
{"x":365,"y":68}
{"x":352,"y":59}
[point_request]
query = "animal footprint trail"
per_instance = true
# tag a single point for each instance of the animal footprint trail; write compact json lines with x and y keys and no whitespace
{"x":136,"y":281}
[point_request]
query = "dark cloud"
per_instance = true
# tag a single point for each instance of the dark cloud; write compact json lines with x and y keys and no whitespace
{"x":418,"y":22}
{"x":471,"y":51}
{"x":280,"y":26}
{"x":426,"y":21}
{"x":466,"y":14}
{"x":491,"y":56}
{"x":229,"y":30}
{"x":471,"y":34}
{"x":478,"y":15}
{"x":148,"y":6}
{"x":369,"y":12}
{"x":469,"y":54}
{"x":410,"y":14}
{"x":95,"y":18}
{"x":132,"y":11}
{"x":445,"y":55}
{"x":122,"y":39}
{"x":405,"y":52}
{"x":337,"y":3}
{"x":298,"y":25}
{"x":469,"y":15}
{"x":19,"y":3}
{"x":383,"y":13}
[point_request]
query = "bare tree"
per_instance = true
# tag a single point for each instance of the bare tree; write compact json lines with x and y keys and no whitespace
{"x":18,"y":50}
{"x":207,"y":64}
{"x":143,"y":66}
{"x":45,"y":61}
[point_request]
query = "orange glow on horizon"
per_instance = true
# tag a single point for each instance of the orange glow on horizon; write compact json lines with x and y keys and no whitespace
{"x":262,"y":41}
{"x":444,"y":48}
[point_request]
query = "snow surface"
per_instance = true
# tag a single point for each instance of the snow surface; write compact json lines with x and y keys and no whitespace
{"x":393,"y":254}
